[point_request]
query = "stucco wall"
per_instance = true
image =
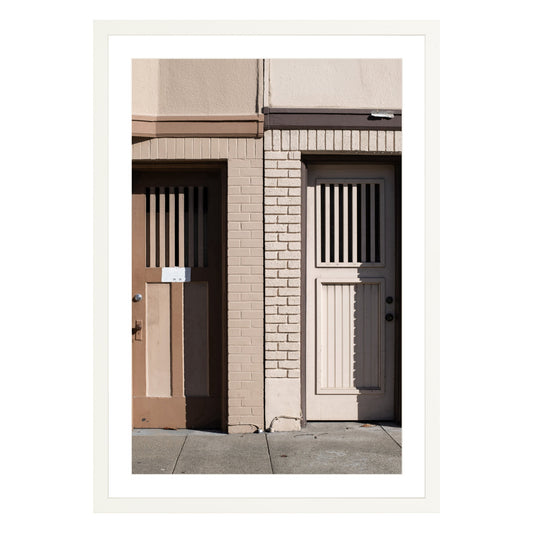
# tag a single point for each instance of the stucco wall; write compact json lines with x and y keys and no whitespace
{"x":341,"y":83}
{"x":197,"y":86}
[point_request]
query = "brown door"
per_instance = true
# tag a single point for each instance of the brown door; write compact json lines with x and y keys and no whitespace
{"x":177,"y":298}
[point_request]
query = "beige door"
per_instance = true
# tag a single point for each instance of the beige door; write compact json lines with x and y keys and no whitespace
{"x":177,"y":295}
{"x":350,"y":292}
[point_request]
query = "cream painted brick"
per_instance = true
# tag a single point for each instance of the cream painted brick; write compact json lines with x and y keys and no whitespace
{"x":145,"y":150}
{"x":223,"y":148}
{"x":250,"y":148}
{"x":232,"y":148}
{"x":389,"y":141}
{"x":381,"y":141}
{"x":276,"y":140}
{"x":136,"y":150}
{"x":289,"y":182}
{"x":295,"y":245}
{"x":276,"y":319}
{"x":293,"y":319}
{"x":271,"y":163}
{"x":276,"y":155}
{"x":288,"y":273}
{"x":293,"y":355}
{"x":294,"y":264}
{"x":364,"y":141}
{"x":303,"y":139}
{"x":329,"y":140}
{"x":254,"y":207}
{"x":295,"y":228}
{"x":197,"y":148}
{"x":188,"y":149}
{"x":281,"y":337}
{"x":293,"y":291}
{"x":285,"y":140}
{"x":289,"y":255}
{"x":320,"y":140}
{"x":295,"y":173}
{"x":253,"y":173}
{"x":346,"y":139}
{"x":295,"y":300}
{"x":372,"y":141}
{"x":311,"y":141}
{"x":241,"y":148}
{"x":267,"y":137}
{"x":276,"y":209}
{"x":251,"y":225}
{"x":276,"y":191}
{"x":289,"y":236}
{"x":295,"y":140}
{"x":253,"y":189}
{"x":272,"y":373}
{"x":291,"y":163}
{"x":276,"y":246}
{"x":293,"y":374}
{"x":337,"y":140}
{"x":284,"y":200}
{"x":397,"y":141}
{"x":205,"y":146}
{"x":283,"y":219}
{"x":295,"y":191}
{"x":295,"y":210}
{"x":289,"y":328}
{"x":276,"y":283}
{"x":153,"y":149}
{"x":238,"y":163}
{"x":276,"y":355}
{"x":214,"y":148}
{"x":289,"y":364}
{"x":355,"y":140}
{"x":294,"y":282}
{"x":276,"y":173}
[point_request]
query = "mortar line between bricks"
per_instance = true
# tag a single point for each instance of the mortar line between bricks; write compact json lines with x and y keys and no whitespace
{"x":393,"y":439}
{"x":179,"y":453}
{"x":269,"y":454}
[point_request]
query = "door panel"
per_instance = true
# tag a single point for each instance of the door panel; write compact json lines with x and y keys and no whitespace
{"x":178,"y":354}
{"x":350,"y":273}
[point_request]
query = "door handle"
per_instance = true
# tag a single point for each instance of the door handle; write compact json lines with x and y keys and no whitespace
{"x":137,"y":330}
{"x":389,"y":317}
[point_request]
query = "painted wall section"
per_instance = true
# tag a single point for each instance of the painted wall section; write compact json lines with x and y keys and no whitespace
{"x":341,"y":83}
{"x":197,"y":86}
{"x":283,"y":243}
{"x":245,"y":263}
{"x":145,"y":86}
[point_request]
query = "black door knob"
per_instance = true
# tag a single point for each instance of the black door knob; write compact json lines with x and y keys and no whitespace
{"x":389,"y":299}
{"x":389,"y":317}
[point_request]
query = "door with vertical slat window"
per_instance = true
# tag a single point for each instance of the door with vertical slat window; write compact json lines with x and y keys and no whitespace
{"x":350,"y":268}
{"x":177,"y":325}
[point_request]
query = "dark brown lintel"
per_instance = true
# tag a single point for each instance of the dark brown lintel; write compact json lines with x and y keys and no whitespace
{"x":329,"y":118}
{"x":197,"y":126}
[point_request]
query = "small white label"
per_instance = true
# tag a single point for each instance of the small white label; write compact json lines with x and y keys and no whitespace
{"x":176,"y":274}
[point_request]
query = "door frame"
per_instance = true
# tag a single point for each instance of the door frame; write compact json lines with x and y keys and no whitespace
{"x":197,"y":167}
{"x":333,"y":159}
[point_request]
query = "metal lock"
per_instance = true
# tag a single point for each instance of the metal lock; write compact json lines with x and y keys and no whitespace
{"x":137,"y":298}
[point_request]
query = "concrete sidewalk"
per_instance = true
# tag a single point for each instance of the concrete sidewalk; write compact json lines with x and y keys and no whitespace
{"x":319,"y":448}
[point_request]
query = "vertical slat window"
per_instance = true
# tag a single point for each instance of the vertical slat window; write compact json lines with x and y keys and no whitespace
{"x":176,"y":226}
{"x":349,"y":223}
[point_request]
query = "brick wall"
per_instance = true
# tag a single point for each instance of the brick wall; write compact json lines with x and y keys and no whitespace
{"x":245,"y":263}
{"x":283,"y":238}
